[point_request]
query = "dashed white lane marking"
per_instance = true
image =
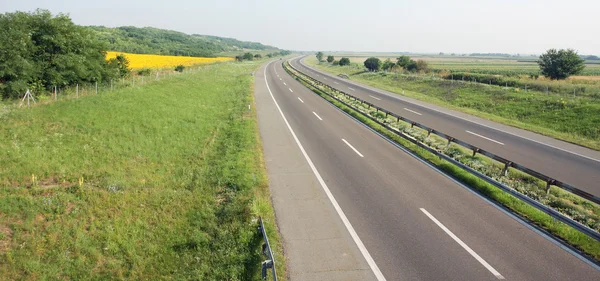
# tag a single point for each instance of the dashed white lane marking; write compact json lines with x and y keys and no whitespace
{"x":280,"y":79}
{"x":462,"y":244}
{"x":336,"y":82}
{"x":284,"y":83}
{"x":336,"y":206}
{"x":359,"y":154}
{"x":375,"y":97}
{"x":351,"y":89}
{"x":300,"y":99}
{"x":485,"y":137}
{"x":290,"y":90}
{"x":317,"y":116}
{"x":412,"y":111}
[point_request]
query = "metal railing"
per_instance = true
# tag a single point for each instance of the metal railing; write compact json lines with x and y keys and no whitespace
{"x":269,"y":263}
{"x":507,"y":163}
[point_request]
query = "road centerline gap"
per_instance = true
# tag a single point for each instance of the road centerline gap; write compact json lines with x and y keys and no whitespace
{"x":462,"y":244}
{"x":317,"y":116}
{"x":485,"y":137}
{"x":412,"y":111}
{"x":355,"y":150}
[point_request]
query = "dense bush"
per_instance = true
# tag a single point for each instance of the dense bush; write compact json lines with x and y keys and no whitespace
{"x":179,"y":68}
{"x":40,"y":51}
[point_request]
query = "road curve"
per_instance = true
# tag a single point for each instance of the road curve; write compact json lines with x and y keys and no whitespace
{"x":416,"y":223}
{"x":566,"y":162}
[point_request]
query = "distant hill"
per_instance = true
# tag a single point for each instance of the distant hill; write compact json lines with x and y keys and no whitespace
{"x":149,"y":40}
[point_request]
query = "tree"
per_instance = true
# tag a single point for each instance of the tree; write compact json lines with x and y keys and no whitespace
{"x":422,"y":66}
{"x":373,"y":64}
{"x":320,"y":56}
{"x":403,"y":61}
{"x":39,"y":51}
{"x":560,"y":64}
{"x":257,"y":56}
{"x":248,"y":56}
{"x":387,"y":65}
{"x":120,"y":64}
{"x":344,"y":61}
{"x":269,"y":55}
{"x":330,"y":59}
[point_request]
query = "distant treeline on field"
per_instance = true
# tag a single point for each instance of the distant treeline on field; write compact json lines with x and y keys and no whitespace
{"x":149,"y":40}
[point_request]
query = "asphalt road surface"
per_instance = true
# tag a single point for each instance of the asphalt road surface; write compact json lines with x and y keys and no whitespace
{"x":566,"y":162}
{"x":416,"y":223}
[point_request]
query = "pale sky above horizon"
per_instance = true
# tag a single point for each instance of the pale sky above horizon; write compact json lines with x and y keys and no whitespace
{"x":425,"y":26}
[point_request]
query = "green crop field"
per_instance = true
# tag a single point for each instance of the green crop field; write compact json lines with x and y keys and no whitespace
{"x":161,"y":181}
{"x":571,"y":118}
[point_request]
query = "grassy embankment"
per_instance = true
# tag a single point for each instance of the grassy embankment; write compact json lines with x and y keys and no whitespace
{"x":572,"y":119}
{"x":161,"y":181}
{"x":582,"y":210}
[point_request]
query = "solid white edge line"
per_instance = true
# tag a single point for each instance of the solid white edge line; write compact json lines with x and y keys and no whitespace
{"x":412,"y":111}
{"x":336,"y":206}
{"x":290,"y":90}
{"x":375,"y":97}
{"x":473,"y":122}
{"x":462,"y":244}
{"x":317,"y":116}
{"x":300,"y":99}
{"x":359,"y":154}
{"x":484,"y":137}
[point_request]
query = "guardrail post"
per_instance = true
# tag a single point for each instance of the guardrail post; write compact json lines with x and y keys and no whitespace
{"x":450,"y":139}
{"x":428,"y":132}
{"x":548,"y":183}
{"x":475,"y":151}
{"x":505,"y":170}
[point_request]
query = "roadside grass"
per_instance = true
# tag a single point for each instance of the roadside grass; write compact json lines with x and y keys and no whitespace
{"x":161,"y":181}
{"x":584,"y":243}
{"x":574,"y":119}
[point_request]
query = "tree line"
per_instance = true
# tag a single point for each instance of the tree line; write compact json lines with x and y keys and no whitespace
{"x":40,"y":51}
{"x":554,"y":64}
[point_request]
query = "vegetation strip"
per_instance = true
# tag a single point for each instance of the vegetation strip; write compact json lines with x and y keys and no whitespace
{"x":575,"y":238}
{"x":161,"y":181}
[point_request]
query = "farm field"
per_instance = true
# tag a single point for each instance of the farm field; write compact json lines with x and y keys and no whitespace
{"x":138,"y":61}
{"x":573,"y":119}
{"x":160,"y":181}
{"x":484,"y":65}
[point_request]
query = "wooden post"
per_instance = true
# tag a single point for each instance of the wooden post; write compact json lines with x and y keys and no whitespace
{"x":77,"y":90}
{"x":96,"y":87}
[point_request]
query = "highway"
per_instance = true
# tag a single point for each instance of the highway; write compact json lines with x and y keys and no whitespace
{"x":416,"y":223}
{"x":566,"y":162}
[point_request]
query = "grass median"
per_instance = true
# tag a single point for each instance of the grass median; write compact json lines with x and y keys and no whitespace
{"x":580,"y":241}
{"x":162,"y":181}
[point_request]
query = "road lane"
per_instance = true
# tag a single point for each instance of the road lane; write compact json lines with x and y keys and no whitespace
{"x":580,"y":167}
{"x":383,"y":192}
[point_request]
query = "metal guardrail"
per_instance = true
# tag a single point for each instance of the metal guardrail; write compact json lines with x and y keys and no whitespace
{"x":507,"y":164}
{"x":266,"y":250}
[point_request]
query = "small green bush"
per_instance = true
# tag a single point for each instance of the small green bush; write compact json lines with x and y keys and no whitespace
{"x":179,"y":68}
{"x":144,"y":72}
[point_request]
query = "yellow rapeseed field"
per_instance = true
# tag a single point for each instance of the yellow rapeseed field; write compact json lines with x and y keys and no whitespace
{"x":137,"y":61}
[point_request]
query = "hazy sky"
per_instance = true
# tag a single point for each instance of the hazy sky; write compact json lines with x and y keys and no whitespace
{"x":465,"y":26}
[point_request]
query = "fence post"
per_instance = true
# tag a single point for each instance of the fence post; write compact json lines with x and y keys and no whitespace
{"x":96,"y":87}
{"x":111,"y":85}
{"x":77,"y":90}
{"x":55,"y":94}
